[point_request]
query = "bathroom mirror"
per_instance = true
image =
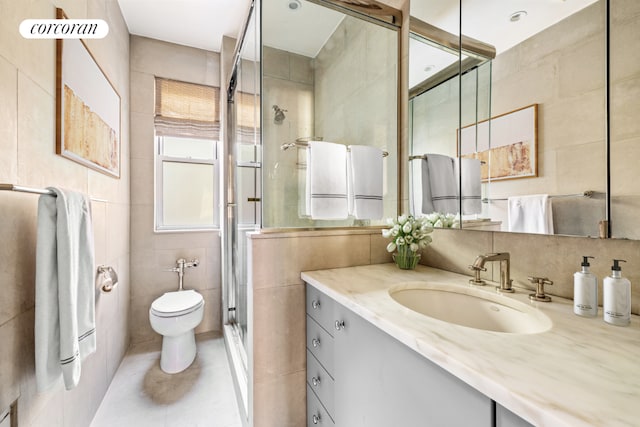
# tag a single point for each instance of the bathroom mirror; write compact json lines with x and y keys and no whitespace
{"x":329,"y":73}
{"x":550,"y":56}
{"x":624,"y":124}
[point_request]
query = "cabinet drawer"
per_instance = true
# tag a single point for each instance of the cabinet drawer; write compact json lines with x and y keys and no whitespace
{"x":320,"y":344}
{"x":320,"y":307}
{"x":320,"y":382}
{"x":316,"y":414}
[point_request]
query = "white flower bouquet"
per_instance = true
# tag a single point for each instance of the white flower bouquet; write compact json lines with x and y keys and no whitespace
{"x":439,"y":220}
{"x":408,"y":235}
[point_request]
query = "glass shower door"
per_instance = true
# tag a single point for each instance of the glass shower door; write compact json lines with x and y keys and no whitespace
{"x":242,"y":163}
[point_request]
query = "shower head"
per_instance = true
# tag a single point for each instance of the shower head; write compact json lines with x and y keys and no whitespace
{"x":279,"y":115}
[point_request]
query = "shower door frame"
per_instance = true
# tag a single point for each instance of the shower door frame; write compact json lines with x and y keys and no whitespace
{"x":234,"y":336}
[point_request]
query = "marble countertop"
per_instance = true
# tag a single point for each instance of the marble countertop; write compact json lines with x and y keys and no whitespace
{"x":581,"y":372}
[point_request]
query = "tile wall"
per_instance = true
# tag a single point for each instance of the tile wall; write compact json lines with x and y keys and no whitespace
{"x":27,"y":144}
{"x":152,"y":253}
{"x":278,"y":358}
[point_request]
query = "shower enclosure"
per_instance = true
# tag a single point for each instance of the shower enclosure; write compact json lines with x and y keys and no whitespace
{"x":241,"y":192}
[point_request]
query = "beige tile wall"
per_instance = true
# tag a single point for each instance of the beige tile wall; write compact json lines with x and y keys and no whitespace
{"x":152,"y":253}
{"x":555,"y":257}
{"x":278,"y":358}
{"x":27,"y":144}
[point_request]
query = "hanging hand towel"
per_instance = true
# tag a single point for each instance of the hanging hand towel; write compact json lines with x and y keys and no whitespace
{"x":364,"y":168}
{"x":471,"y":185}
{"x":530,"y":214}
{"x":439,"y":185}
{"x":327,"y":180}
{"x":65,"y":295}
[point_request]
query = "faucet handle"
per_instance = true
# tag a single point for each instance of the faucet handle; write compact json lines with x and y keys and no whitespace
{"x":476,"y":275}
{"x":540,"y":295}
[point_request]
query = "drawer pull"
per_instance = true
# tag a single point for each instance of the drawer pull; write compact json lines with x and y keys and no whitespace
{"x":315,"y":342}
{"x":315,"y":381}
{"x":316,"y":418}
{"x":315,"y":304}
{"x":339,"y":325}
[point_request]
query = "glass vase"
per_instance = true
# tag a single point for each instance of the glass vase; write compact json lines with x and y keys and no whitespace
{"x":405,"y":258}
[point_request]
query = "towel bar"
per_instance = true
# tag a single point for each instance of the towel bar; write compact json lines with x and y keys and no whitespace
{"x":23,"y":189}
{"x":300,"y":142}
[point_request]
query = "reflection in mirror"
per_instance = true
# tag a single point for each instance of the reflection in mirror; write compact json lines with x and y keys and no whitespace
{"x":625,"y":123}
{"x":327,"y":76}
{"x":551,"y":57}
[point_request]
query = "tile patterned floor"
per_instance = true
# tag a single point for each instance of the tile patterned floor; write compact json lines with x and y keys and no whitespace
{"x":141,"y":395}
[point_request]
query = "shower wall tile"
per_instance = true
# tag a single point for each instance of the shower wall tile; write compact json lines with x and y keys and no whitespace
{"x":300,"y":69}
{"x":281,"y":401}
{"x":279,"y":344}
{"x":275,"y":63}
{"x":278,"y":307}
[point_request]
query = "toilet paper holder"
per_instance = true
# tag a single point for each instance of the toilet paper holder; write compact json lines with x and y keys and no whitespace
{"x":107,"y":278}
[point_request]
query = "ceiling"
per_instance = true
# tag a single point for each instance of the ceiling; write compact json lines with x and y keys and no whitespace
{"x":196,"y":23}
{"x":202,"y":23}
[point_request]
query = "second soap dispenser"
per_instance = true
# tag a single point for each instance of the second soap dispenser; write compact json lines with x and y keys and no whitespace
{"x":617,"y":297}
{"x":585,"y":291}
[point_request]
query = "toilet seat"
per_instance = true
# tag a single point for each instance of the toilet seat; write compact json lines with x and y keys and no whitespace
{"x":179,"y":303}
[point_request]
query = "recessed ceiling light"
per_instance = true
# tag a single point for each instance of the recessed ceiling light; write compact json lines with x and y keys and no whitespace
{"x":294,"y":4}
{"x":516,"y":16}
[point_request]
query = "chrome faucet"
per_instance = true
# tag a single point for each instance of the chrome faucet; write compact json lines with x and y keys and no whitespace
{"x":181,"y":265}
{"x":505,"y":272}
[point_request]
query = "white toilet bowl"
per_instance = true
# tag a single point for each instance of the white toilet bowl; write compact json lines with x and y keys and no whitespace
{"x":175,"y":315}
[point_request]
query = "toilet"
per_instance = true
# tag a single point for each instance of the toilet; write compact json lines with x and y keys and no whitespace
{"x":175,"y":315}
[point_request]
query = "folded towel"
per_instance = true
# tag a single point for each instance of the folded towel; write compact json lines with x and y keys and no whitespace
{"x":471,"y":185}
{"x":327,"y":180}
{"x":65,"y":293}
{"x":439,"y":185}
{"x":530,"y":214}
{"x":364,"y":168}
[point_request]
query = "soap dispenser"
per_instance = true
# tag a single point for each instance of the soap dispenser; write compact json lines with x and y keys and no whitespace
{"x":617,"y":297}
{"x":585,"y":291}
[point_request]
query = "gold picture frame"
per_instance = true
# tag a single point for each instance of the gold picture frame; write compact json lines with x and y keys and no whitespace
{"x":506,"y":144}
{"x":88,"y":114}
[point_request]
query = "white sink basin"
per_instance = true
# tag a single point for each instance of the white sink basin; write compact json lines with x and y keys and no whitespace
{"x":471,"y":307}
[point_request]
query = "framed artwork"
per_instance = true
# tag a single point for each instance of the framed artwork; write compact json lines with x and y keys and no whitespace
{"x":507,"y":144}
{"x":87,"y":109}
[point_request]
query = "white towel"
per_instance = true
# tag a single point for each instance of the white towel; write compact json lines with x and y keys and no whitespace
{"x":530,"y":214}
{"x":471,"y":185}
{"x":364,"y":168}
{"x":65,"y":293}
{"x":327,"y":180}
{"x":439,"y":185}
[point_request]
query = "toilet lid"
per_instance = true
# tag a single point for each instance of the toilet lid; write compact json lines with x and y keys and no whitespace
{"x":175,"y":302}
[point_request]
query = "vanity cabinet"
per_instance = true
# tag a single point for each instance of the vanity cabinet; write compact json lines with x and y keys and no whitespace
{"x":506,"y":418}
{"x":368,"y":378}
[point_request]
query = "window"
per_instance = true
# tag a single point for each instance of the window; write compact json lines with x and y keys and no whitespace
{"x":186,"y":170}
